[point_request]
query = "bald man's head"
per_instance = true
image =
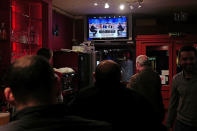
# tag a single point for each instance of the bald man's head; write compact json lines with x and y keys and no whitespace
{"x":108,"y":72}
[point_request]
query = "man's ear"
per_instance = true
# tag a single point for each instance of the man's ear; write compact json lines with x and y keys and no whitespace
{"x":9,"y":96}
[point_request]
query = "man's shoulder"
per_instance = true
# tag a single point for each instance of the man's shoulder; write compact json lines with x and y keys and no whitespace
{"x":133,"y":77}
{"x":88,"y":91}
{"x":11,"y":126}
{"x":148,"y":71}
{"x":86,"y":95}
{"x":130,"y":93}
{"x":84,"y":122}
{"x":87,"y":124}
{"x":178,"y":76}
{"x":149,"y":74}
{"x":76,"y":122}
{"x":71,"y":123}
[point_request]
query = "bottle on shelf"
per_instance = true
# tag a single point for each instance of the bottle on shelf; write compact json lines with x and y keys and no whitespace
{"x":32,"y":36}
{"x":12,"y":36}
{"x":23,"y":38}
{"x":3,"y":33}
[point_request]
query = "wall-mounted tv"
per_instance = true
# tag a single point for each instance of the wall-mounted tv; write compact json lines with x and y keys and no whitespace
{"x":107,"y":27}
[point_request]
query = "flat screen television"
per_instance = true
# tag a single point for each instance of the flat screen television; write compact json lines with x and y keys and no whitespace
{"x":107,"y":27}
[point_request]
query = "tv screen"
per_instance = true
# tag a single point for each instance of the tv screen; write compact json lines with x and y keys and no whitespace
{"x":107,"y":27}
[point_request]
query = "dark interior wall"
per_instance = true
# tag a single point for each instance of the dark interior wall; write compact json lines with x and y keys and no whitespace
{"x":163,"y":24}
{"x":5,"y":53}
{"x":63,"y":28}
{"x":151,"y":25}
{"x":79,"y":30}
{"x":142,"y":25}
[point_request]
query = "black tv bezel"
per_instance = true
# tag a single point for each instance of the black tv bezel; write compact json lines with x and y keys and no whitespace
{"x":109,"y":38}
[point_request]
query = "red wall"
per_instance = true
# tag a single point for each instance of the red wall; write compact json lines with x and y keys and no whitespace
{"x":65,"y":31}
{"x":5,"y":44}
{"x":79,"y":30}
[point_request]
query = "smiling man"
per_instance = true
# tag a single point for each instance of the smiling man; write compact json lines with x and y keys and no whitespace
{"x":183,"y":105}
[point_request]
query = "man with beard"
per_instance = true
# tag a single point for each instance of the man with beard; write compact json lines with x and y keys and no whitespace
{"x":183,"y":105}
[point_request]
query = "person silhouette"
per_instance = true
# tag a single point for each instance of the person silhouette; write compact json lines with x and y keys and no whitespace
{"x":93,"y":29}
{"x":30,"y":87}
{"x":182,"y":110}
{"x":120,"y":29}
{"x":147,"y":82}
{"x":108,"y":100}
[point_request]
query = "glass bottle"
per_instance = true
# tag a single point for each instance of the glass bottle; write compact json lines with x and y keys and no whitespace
{"x":3,"y":33}
{"x":32,"y":35}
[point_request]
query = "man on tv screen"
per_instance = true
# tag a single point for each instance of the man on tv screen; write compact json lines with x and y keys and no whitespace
{"x":93,"y":29}
{"x":120,"y":29}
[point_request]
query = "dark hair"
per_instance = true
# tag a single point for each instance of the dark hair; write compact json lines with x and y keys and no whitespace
{"x":31,"y":78}
{"x":187,"y":49}
{"x":108,"y":72}
{"x":45,"y":52}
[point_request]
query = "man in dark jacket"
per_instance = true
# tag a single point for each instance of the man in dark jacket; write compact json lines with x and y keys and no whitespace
{"x":120,"y":29}
{"x":109,"y":101}
{"x":31,"y":89}
{"x":148,"y":83}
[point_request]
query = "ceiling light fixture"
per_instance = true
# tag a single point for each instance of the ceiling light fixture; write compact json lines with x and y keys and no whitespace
{"x":106,"y":5}
{"x":131,"y":7}
{"x":95,"y":4}
{"x":139,"y":5}
{"x":122,"y":7}
{"x":134,"y":4}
